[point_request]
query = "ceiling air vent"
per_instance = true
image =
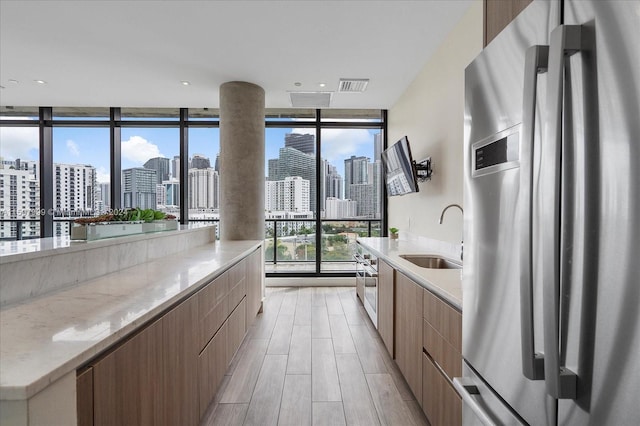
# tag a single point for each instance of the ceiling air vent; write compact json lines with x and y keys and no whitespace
{"x":310,"y":99}
{"x":353,"y":85}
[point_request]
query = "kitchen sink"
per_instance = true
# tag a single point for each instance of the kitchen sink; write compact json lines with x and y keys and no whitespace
{"x":431,"y":261}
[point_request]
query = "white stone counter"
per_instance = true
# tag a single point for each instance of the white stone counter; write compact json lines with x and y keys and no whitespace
{"x":46,"y":337}
{"x":446,"y":283}
{"x":13,"y":251}
{"x":32,"y":268}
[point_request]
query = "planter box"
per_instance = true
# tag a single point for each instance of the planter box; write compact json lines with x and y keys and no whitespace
{"x":99,"y":231}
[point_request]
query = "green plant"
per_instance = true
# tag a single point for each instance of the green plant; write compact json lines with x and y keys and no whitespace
{"x":393,"y":230}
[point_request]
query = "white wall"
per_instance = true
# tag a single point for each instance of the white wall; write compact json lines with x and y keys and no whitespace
{"x":431,"y":113}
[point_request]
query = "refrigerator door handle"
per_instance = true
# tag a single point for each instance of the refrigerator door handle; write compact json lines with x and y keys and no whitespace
{"x":535,"y":63}
{"x":469,"y":393}
{"x":560,"y":382}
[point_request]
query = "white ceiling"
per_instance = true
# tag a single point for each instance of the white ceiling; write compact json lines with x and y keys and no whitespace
{"x":136,"y":53}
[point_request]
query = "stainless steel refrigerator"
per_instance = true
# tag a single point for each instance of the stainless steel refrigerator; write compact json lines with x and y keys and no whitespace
{"x":551,"y":280}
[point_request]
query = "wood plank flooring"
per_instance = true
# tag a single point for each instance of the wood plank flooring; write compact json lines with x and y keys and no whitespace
{"x":313,"y":357}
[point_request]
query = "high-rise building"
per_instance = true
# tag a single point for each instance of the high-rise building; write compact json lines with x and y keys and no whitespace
{"x":216,"y":167}
{"x":355,"y":173}
{"x":75,"y":189}
{"x":19,"y":199}
{"x":302,"y":142}
{"x":103,"y":197}
{"x":175,"y":167}
{"x":331,"y":183}
{"x":139,"y":188}
{"x":362,"y":194}
{"x":363,"y":185}
{"x":200,"y":162}
{"x":204,"y":188}
{"x":172,"y":191}
{"x":377,"y":146}
{"x":292,"y":162}
{"x":340,"y":209}
{"x":161,"y":166}
{"x":161,"y":195}
{"x":75,"y":193}
{"x":289,"y":195}
{"x":375,"y":179}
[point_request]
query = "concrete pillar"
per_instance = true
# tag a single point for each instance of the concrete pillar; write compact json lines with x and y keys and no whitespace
{"x":242,"y":172}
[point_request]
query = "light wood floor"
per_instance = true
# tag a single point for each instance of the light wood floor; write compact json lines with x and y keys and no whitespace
{"x":313,"y":357}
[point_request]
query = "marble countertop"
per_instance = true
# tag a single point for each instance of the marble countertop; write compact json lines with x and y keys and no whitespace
{"x":13,"y":251}
{"x":446,"y":283}
{"x":47,"y":337}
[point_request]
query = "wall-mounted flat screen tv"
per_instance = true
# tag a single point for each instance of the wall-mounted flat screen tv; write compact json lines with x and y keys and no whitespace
{"x":400,"y":168}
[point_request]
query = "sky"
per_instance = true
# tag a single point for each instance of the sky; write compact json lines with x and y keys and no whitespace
{"x":91,"y":145}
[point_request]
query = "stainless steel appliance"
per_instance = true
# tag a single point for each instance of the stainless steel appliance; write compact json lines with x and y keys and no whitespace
{"x":367,"y":281}
{"x":551,"y":281}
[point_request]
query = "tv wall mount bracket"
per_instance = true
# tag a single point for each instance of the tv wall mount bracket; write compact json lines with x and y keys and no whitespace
{"x":423,"y":169}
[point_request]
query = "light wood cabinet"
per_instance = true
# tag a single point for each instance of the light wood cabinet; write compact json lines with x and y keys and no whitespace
{"x":440,"y":402}
{"x":442,"y":360}
{"x":180,"y":351}
{"x":212,"y":364}
{"x":254,"y":286}
{"x":237,"y":284}
{"x":170,"y":370}
{"x":442,"y":334}
{"x":498,"y":14}
{"x":408,"y":332}
{"x":237,"y":327}
{"x":127,"y":383}
{"x":386,"y":288}
{"x":84,"y":396}
{"x":213,"y":307}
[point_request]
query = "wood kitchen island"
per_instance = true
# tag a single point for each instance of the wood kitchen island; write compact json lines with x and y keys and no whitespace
{"x":141,"y":345}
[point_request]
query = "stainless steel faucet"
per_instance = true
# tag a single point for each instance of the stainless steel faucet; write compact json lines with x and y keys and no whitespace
{"x":440,"y":222}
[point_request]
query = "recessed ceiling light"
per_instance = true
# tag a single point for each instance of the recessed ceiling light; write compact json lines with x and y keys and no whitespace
{"x":322,"y":84}
{"x":185,"y":83}
{"x":40,"y":81}
{"x":13,"y":81}
{"x":297,"y":84}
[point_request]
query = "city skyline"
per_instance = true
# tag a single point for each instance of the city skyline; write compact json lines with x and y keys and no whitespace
{"x":136,"y":152}
{"x":90,"y":146}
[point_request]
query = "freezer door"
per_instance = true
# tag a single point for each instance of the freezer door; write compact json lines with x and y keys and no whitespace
{"x":480,"y":404}
{"x":600,"y":324}
{"x":492,"y":338}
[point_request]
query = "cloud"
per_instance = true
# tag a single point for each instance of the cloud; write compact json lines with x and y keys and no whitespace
{"x":72,"y":147}
{"x":138,"y":150}
{"x":102,"y":175}
{"x":338,"y":144}
{"x":19,"y":142}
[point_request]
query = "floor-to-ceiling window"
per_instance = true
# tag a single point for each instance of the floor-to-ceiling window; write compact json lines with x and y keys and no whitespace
{"x":80,"y":144}
{"x":323,"y":183}
{"x":203,"y":175}
{"x":150,"y":141}
{"x":19,"y":174}
{"x":323,"y":188}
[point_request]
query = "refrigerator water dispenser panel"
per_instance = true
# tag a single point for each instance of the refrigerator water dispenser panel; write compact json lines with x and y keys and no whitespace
{"x":496,"y":153}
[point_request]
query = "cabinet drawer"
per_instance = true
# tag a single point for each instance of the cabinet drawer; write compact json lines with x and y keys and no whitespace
{"x":212,"y":364}
{"x":213,"y":293}
{"x":447,"y":357}
{"x":84,"y":397}
{"x":441,"y":403}
{"x":236,"y":329}
{"x":237,"y":274}
{"x":212,"y":316}
{"x":237,"y":293}
{"x":445,"y":319}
